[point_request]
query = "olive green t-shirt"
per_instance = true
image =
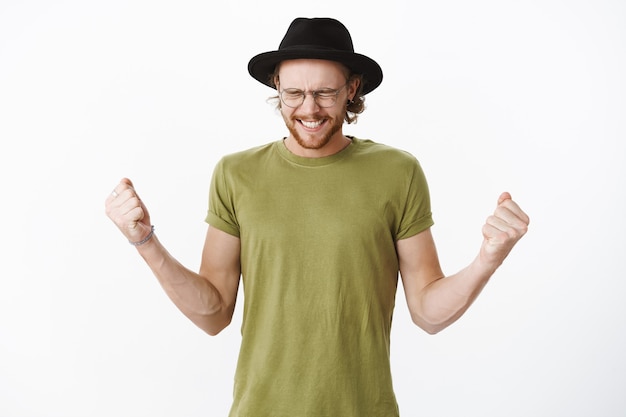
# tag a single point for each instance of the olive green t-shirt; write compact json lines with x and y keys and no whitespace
{"x":319,"y":273}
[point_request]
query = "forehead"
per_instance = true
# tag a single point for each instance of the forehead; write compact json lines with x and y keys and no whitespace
{"x":312,"y":73}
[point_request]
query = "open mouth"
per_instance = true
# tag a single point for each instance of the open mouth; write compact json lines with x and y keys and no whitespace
{"x":311,"y":124}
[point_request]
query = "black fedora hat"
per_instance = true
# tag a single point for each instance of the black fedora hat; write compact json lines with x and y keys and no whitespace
{"x":318,"y":38}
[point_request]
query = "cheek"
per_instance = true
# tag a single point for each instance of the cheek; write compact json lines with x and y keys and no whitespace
{"x":286,"y":112}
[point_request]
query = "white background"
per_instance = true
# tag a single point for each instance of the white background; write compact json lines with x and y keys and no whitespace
{"x":490,"y":96}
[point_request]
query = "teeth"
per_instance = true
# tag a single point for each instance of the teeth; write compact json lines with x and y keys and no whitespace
{"x":311,"y":125}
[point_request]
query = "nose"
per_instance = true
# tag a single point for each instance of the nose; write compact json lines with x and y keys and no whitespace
{"x":309,"y":103}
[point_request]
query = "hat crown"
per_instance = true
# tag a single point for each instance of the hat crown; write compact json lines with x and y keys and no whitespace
{"x":318,"y":38}
{"x":325,"y":33}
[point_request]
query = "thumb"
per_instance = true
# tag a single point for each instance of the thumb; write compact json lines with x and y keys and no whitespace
{"x":503,"y":197}
{"x":127,"y":181}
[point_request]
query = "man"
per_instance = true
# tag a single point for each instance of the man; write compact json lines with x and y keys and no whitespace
{"x":318,"y":226}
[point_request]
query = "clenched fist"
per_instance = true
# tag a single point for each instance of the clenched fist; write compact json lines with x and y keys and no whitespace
{"x":127,"y":211}
{"x":502,"y":230}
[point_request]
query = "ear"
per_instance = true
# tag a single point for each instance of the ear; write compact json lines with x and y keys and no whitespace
{"x":275,"y":75}
{"x":353,"y":87}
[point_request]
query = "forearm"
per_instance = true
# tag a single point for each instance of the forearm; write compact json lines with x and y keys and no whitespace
{"x":194,"y":295}
{"x":436,"y":301}
{"x":445,"y":300}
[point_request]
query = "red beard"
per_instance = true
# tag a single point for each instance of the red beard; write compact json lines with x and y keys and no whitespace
{"x":313,"y":140}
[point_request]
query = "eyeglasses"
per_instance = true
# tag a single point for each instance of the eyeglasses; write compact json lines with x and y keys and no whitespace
{"x":325,"y":97}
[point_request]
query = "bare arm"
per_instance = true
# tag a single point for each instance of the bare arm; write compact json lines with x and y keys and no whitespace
{"x":207,"y":298}
{"x":436,"y":301}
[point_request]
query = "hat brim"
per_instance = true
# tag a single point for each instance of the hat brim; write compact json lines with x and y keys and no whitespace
{"x":261,"y":67}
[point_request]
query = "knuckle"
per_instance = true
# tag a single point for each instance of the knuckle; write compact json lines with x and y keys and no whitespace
{"x":134,"y":200}
{"x":502,"y":236}
{"x":523,"y":230}
{"x":501,"y":211}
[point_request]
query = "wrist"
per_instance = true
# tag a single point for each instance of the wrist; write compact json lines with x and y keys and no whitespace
{"x":487,"y":263}
{"x":145,"y":239}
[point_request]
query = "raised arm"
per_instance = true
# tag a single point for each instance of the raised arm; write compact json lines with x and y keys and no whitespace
{"x":436,"y":301}
{"x":207,"y":298}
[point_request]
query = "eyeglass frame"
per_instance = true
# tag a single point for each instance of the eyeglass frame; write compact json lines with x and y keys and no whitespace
{"x":314,"y":93}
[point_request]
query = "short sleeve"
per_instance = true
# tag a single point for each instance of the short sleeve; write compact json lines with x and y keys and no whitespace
{"x":417,"y":215}
{"x":221,"y":213}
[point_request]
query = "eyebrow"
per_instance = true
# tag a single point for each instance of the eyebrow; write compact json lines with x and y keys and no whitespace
{"x":317,"y":89}
{"x":311,"y":91}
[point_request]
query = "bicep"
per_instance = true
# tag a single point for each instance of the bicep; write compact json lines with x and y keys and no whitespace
{"x":419,"y":265}
{"x":221,"y":264}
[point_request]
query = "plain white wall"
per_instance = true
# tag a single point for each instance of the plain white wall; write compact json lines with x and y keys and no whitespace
{"x":489,"y":95}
